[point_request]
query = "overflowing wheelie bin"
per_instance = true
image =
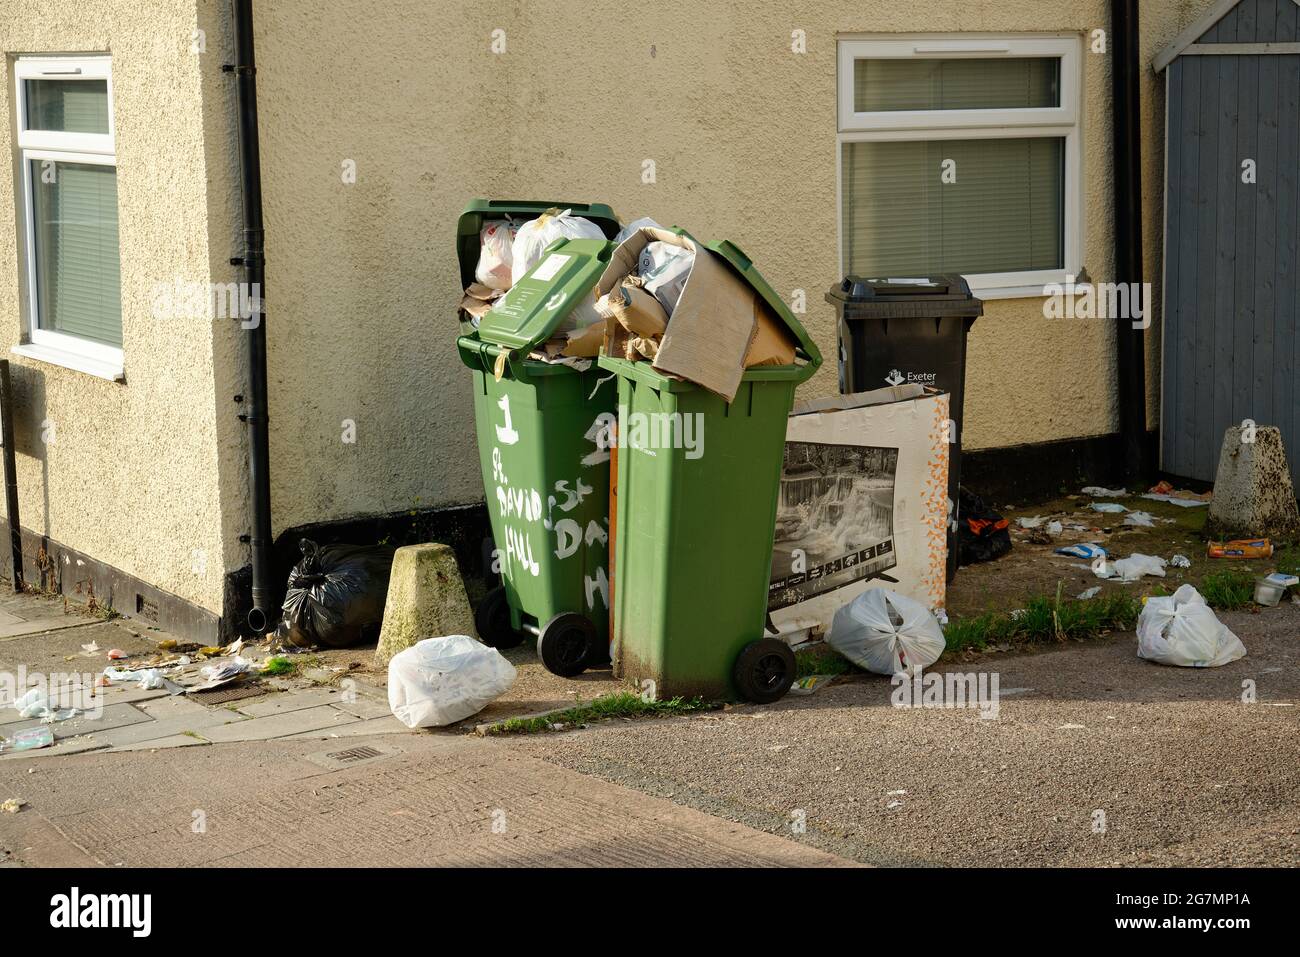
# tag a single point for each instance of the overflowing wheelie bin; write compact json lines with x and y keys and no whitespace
{"x":694,"y":527}
{"x":544,"y":458}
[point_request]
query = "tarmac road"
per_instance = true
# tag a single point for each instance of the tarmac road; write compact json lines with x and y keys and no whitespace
{"x":1096,"y":758}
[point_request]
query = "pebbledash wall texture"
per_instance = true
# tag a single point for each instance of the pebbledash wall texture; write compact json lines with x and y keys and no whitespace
{"x":148,"y":475}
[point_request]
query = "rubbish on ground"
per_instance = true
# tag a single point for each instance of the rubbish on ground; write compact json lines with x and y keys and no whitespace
{"x":335,"y":595}
{"x":886,"y":633}
{"x":1132,"y":568}
{"x":1108,"y":507}
{"x":32,"y":739}
{"x":12,"y":806}
{"x":1240,"y":548}
{"x":153,"y":678}
{"x":1180,"y":629}
{"x":1096,"y":491}
{"x":633,"y":226}
{"x":811,"y":684}
{"x":1071,"y":727}
{"x":439,"y":681}
{"x":1140,"y":519}
{"x":91,"y":650}
{"x":837,"y":525}
{"x":35,"y":703}
{"x":1082,"y":550}
{"x":1180,"y":500}
{"x":278,"y":666}
{"x":982,"y":534}
{"x":534,"y":236}
{"x":1089,"y":593}
{"x":235,"y":647}
{"x":117,"y":654}
{"x":217,"y":675}
{"x":1270,"y":589}
{"x":941,"y":616}
{"x":1034,"y":522}
{"x":496,"y":241}
{"x":1180,"y":561}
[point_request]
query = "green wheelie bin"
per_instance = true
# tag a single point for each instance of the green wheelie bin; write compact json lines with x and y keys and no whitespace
{"x":541,"y":431}
{"x":693,"y":532}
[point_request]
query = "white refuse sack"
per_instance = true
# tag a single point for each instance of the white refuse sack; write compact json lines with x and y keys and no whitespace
{"x":887,"y":633}
{"x":440,"y":681}
{"x":536,"y":234}
{"x":1180,"y":629}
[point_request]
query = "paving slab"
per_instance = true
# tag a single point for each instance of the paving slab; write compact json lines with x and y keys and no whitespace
{"x":279,"y":725}
{"x":170,"y":706}
{"x":58,"y":749}
{"x":158,"y":744}
{"x":384,"y":725}
{"x":112,"y":716}
{"x":365,"y":707}
{"x":166,"y":727}
{"x":287,"y":701}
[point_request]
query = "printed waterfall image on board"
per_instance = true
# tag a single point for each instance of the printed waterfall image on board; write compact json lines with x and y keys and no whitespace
{"x":835,"y":520}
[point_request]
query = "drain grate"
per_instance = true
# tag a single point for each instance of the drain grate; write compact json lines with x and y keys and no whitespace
{"x":354,"y":754}
{"x":222,"y":695}
{"x":352,"y":757}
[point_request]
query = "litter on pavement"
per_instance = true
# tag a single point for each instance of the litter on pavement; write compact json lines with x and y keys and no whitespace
{"x":1180,"y":629}
{"x":887,"y":633}
{"x":1130,"y":569}
{"x":439,"y":681}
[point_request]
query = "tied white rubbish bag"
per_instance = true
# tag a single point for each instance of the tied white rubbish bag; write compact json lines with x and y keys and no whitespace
{"x":440,"y":681}
{"x":1182,"y":630}
{"x":494,"y":258}
{"x":887,"y":633}
{"x":536,"y":234}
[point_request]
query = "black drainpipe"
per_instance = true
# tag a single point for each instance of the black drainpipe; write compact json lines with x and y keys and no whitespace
{"x":1127,"y":161}
{"x":252,"y":270}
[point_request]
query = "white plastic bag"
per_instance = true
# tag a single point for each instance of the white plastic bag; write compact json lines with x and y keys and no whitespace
{"x":440,"y":681}
{"x":496,"y":240}
{"x":633,"y":226}
{"x":536,"y":234}
{"x":664,"y":269}
{"x":886,"y":633}
{"x":1130,"y":569}
{"x":1182,"y":630}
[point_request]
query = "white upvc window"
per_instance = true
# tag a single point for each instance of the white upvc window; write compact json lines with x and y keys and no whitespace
{"x":961,"y":154}
{"x":68,"y":207}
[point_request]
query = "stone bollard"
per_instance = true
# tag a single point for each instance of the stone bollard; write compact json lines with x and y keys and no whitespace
{"x":426,"y":599}
{"x":1253,"y":494}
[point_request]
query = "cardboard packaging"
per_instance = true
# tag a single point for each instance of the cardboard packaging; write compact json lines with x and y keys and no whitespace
{"x":864,"y":504}
{"x":716,"y":322}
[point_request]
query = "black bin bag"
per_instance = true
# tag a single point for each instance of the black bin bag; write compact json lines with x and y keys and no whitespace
{"x":335,"y":595}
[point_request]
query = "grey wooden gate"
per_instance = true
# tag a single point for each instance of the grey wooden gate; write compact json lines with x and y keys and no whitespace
{"x":1229,"y":348}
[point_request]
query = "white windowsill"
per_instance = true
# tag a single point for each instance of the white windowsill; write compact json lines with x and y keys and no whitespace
{"x":112,"y":371}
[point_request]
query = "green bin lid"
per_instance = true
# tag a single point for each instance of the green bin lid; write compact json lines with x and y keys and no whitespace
{"x":480,"y":211}
{"x":734,"y":255}
{"x":529,"y":313}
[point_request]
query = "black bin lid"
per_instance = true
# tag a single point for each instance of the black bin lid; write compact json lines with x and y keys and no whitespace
{"x":921,"y":297}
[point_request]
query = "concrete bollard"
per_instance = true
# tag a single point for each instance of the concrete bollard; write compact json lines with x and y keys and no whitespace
{"x":1253,"y":494}
{"x":426,"y":599}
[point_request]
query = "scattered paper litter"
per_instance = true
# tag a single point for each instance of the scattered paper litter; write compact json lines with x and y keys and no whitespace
{"x":1180,"y":561}
{"x":12,"y":806}
{"x":1098,"y":492}
{"x":1176,"y":500}
{"x":1089,"y":593}
{"x":1108,"y":507}
{"x":1141,"y":519}
{"x":1033,"y":522}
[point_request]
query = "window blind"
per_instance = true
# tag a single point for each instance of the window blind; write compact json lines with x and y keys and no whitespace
{"x":70,"y":106}
{"x":1004,"y":213}
{"x":77,"y":267}
{"x":886,"y":84}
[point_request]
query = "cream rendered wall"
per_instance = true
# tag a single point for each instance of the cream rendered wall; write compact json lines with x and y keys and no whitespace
{"x":362,"y":282}
{"x":131,"y":477}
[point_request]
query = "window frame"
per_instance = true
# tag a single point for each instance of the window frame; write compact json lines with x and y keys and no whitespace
{"x":1062,"y":121}
{"x":97,"y":149}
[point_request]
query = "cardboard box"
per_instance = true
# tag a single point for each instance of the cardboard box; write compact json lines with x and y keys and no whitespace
{"x":711,"y":330}
{"x":864,"y":493}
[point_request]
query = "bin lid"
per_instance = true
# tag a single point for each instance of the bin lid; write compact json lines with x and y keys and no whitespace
{"x":734,"y":255}
{"x":941,"y":295}
{"x":530,"y":311}
{"x":480,"y":211}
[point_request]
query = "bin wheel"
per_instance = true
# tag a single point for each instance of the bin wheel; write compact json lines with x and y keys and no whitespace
{"x":765,"y":670}
{"x":565,"y":644}
{"x":492,"y":619}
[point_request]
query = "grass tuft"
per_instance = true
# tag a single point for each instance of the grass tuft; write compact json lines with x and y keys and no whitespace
{"x":1046,"y":619}
{"x":1228,"y":590}
{"x":822,"y":661}
{"x":621,"y":704}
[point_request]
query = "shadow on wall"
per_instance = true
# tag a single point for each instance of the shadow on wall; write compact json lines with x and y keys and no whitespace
{"x":31,"y":439}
